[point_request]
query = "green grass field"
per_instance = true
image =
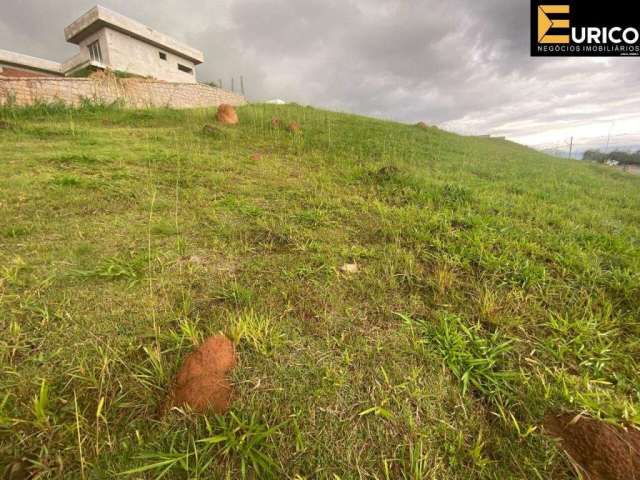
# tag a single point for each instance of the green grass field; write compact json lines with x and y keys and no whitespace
{"x":494,"y":284}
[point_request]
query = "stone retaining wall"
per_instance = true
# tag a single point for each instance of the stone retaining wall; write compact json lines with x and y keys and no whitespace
{"x":134,"y":93}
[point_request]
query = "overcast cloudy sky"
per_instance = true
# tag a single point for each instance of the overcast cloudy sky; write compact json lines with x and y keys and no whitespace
{"x":461,"y":64}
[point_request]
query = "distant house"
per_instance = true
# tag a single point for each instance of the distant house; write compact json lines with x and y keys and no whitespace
{"x":493,"y":137}
{"x":108,"y":40}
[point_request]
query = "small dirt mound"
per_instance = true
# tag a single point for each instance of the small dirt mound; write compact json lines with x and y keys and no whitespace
{"x":256,"y":156}
{"x":601,"y":450}
{"x":197,"y":260}
{"x":385,"y":174}
{"x":294,"y":127}
{"x":201,"y":382}
{"x":275,"y":122}
{"x":422,"y":125}
{"x":212,"y":130}
{"x":227,"y":115}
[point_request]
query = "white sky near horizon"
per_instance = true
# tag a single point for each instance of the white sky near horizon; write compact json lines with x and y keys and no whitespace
{"x":462,"y":64}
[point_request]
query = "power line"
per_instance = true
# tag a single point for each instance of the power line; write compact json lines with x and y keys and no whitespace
{"x":572,"y":146}
{"x":588,"y":140}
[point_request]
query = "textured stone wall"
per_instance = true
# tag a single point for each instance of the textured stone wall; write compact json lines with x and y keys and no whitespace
{"x":135,"y":93}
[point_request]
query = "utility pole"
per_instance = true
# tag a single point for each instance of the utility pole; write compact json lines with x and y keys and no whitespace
{"x":242,"y":85}
{"x":571,"y":147}
{"x":220,"y":82}
{"x":233,"y":88}
{"x":609,"y":136}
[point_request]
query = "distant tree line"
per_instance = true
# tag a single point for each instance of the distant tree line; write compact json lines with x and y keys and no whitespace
{"x":623,"y":158}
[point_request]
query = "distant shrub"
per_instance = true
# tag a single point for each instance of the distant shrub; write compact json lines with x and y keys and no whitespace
{"x":124,"y":74}
{"x":623,"y":158}
{"x":594,"y":156}
{"x":82,"y":72}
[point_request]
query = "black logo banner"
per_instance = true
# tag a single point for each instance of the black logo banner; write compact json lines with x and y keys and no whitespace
{"x":581,"y":28}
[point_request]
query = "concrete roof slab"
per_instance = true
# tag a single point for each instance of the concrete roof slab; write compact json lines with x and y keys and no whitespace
{"x":19,"y":60}
{"x":99,"y":17}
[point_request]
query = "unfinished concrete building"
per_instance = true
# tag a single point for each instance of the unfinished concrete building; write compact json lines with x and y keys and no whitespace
{"x":108,"y":40}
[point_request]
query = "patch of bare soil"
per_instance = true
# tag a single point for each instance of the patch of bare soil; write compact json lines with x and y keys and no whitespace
{"x":227,"y":115}
{"x":598,"y":450}
{"x":216,"y":264}
{"x":201,"y":382}
{"x":256,"y":156}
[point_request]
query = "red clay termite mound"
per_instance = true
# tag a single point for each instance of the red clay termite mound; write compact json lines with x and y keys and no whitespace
{"x":227,"y":115}
{"x":201,"y":382}
{"x":294,"y":127}
{"x":599,"y":450}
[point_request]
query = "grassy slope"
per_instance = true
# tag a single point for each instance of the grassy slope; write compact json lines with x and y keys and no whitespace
{"x":494,"y":283}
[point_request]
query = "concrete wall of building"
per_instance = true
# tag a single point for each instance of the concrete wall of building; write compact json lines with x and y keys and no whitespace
{"x":102,"y":37}
{"x":135,"y":93}
{"x":123,"y":52}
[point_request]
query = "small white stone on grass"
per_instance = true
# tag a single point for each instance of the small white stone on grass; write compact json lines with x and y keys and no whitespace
{"x":349,"y":268}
